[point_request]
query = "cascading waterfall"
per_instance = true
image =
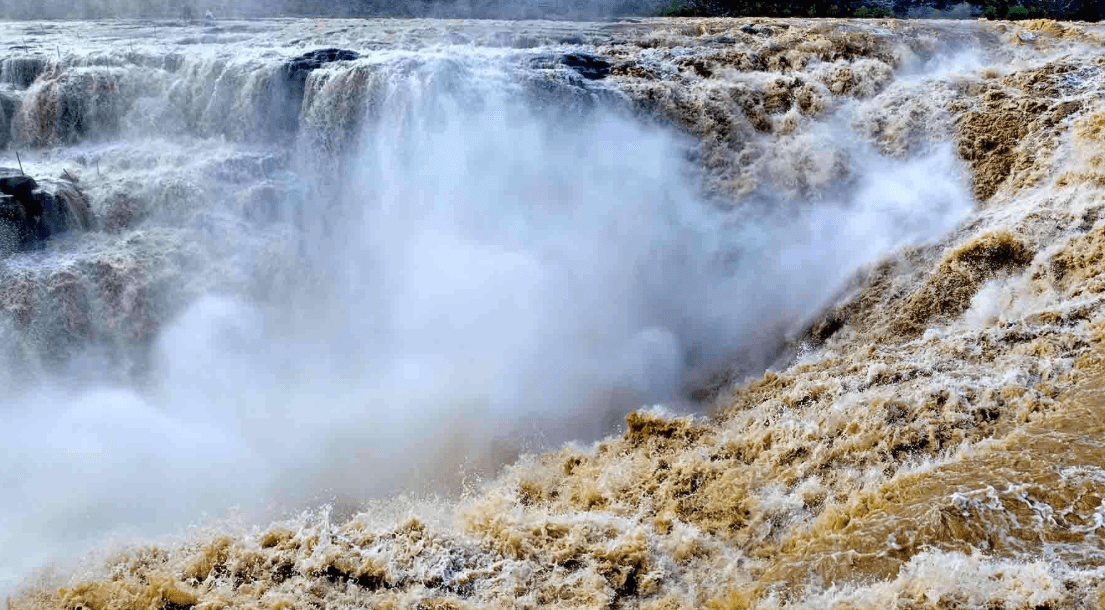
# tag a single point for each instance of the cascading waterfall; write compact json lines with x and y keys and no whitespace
{"x":315,"y":263}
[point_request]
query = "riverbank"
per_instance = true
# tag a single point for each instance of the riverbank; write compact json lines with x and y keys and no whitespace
{"x":1012,"y":10}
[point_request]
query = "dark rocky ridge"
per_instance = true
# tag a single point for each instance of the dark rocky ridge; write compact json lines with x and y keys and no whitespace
{"x":286,"y":90}
{"x":1081,"y":10}
{"x":31,"y":213}
{"x":64,"y":106}
{"x":74,"y":107}
{"x":20,"y":72}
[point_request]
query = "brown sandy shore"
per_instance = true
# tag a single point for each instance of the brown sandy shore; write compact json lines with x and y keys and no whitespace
{"x":937,"y":440}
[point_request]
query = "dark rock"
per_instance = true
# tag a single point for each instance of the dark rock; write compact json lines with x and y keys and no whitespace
{"x":64,"y":210}
{"x":298,"y":68}
{"x":21,"y":72}
{"x":11,"y":210}
{"x":759,"y":30}
{"x":64,"y":114}
{"x":588,"y":66}
{"x":1086,"y":10}
{"x":19,"y":187}
{"x":34,"y":203}
{"x":567,"y":101}
{"x":14,"y":233}
{"x":29,"y":214}
{"x":284,"y":95}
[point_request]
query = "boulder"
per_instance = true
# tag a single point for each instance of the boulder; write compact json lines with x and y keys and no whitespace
{"x":31,"y":213}
{"x":11,"y":210}
{"x":283,"y":100}
{"x":588,"y":66}
{"x":299,"y":67}
{"x":19,"y":187}
{"x":14,"y":234}
{"x":21,"y":72}
{"x":66,"y":209}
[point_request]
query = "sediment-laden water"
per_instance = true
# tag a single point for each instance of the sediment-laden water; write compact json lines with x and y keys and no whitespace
{"x":301,"y":313}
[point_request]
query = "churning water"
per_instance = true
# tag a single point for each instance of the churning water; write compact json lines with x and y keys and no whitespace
{"x":322,"y":280}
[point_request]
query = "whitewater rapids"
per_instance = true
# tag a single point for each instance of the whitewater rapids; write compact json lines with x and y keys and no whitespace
{"x":816,"y":305}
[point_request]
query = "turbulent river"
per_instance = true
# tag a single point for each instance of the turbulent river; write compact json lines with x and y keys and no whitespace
{"x":474,"y":314}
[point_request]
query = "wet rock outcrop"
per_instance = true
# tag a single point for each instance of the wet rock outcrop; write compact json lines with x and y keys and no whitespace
{"x":67,"y":104}
{"x":20,"y":72}
{"x":1084,"y":10}
{"x":31,"y":213}
{"x":287,"y":88}
{"x":586,"y":65}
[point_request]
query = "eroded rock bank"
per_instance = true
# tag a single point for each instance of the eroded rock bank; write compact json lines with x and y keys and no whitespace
{"x":1079,"y":10}
{"x":32,"y":212}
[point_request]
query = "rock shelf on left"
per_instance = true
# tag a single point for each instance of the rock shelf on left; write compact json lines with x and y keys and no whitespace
{"x":32,"y":212}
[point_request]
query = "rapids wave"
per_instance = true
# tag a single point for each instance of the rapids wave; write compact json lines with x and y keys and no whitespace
{"x":335,"y":261}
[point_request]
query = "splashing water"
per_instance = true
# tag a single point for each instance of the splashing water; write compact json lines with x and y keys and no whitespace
{"x":442,"y":247}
